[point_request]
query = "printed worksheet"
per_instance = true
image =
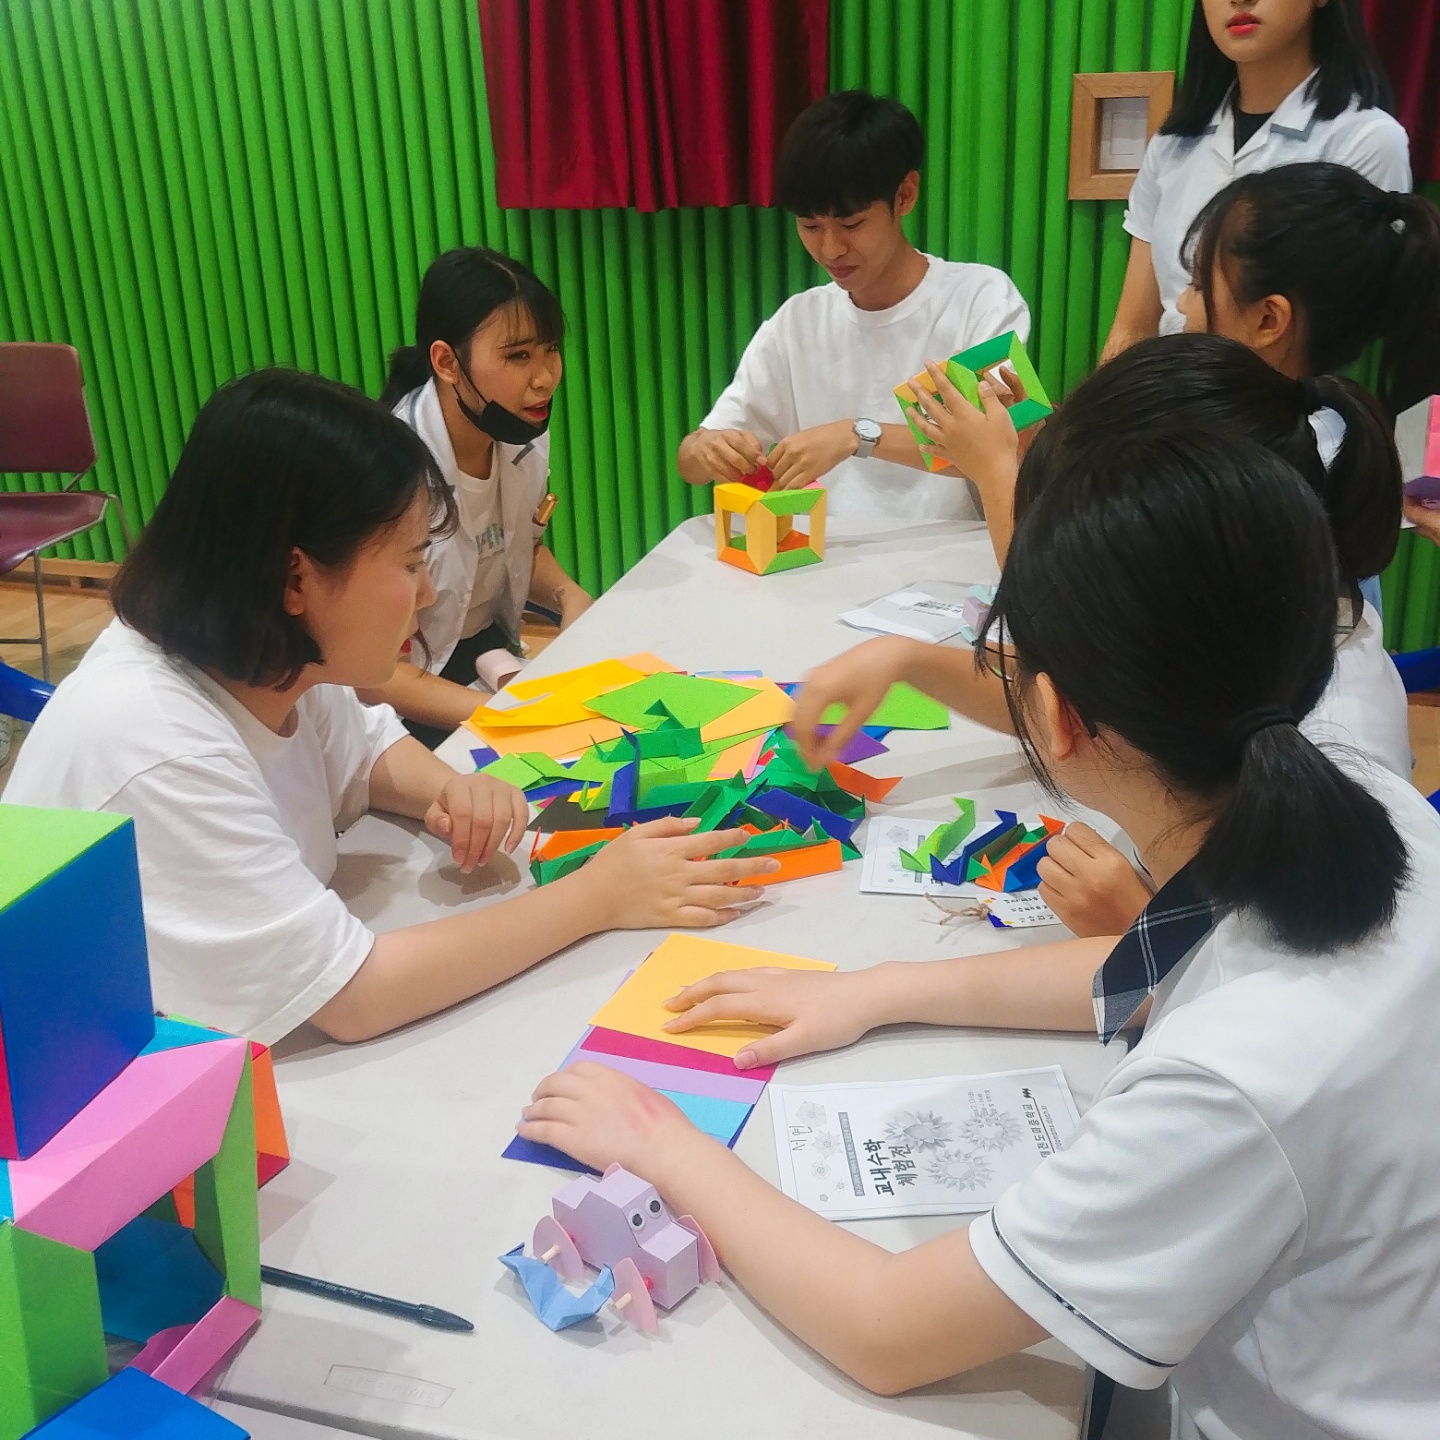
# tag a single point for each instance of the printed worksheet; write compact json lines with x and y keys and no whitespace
{"x":881,"y":873}
{"x":948,"y":1146}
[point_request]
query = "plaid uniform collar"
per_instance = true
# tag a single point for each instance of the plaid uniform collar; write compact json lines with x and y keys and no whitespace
{"x":1176,"y":920}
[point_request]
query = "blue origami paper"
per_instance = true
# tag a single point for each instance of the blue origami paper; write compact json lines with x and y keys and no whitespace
{"x":483,"y":756}
{"x":554,"y":1304}
{"x":534,"y":1153}
{"x":153,"y":1276}
{"x":954,"y":872}
{"x":1024,"y":874}
{"x":171,"y":1034}
{"x":802,"y":814}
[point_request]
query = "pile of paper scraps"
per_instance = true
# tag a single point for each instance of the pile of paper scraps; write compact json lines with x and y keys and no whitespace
{"x":612,"y":744}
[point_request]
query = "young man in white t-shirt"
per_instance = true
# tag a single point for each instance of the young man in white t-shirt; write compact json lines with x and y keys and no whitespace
{"x":817,"y":380}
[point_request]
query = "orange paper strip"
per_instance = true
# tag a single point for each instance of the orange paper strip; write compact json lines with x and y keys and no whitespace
{"x":797,"y":864}
{"x":857,"y":782}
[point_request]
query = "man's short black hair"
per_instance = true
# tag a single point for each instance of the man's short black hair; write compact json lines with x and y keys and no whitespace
{"x":847,"y":151}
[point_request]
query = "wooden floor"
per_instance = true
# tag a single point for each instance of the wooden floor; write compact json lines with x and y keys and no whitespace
{"x":76,"y":617}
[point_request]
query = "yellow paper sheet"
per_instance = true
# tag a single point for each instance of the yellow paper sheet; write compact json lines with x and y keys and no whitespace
{"x":560,"y":742}
{"x":770,"y":707}
{"x":562,"y":708}
{"x":603,"y":675}
{"x":638,"y":1008}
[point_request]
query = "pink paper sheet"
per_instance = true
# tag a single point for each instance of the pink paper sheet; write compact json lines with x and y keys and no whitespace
{"x":184,"y":1355}
{"x":672,"y":1077}
{"x":682,"y":1057}
{"x":157,"y":1122}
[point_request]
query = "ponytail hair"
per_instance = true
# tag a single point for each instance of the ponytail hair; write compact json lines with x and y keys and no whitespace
{"x":1347,"y":70}
{"x":1178,"y":589}
{"x":461,"y":290}
{"x":1209,"y":383}
{"x":1356,"y":263}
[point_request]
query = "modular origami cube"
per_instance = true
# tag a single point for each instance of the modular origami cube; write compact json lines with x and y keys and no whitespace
{"x":965,"y":372}
{"x":1417,"y":437}
{"x":770,"y":542}
{"x":88,"y":1240}
{"x":74,"y":977}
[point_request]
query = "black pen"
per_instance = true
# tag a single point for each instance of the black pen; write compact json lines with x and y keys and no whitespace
{"x":430,"y":1315}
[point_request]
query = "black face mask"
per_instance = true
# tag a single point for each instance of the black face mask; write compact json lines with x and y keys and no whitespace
{"x":496,"y":421}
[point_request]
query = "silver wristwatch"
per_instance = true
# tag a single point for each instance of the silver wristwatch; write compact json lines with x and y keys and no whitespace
{"x":868,"y":433}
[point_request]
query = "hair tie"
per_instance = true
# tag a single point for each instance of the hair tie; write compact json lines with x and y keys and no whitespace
{"x":1392,"y":210}
{"x":1252,"y":722}
{"x":1310,"y":395}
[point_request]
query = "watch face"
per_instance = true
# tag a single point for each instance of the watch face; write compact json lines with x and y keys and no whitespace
{"x":867,"y":429}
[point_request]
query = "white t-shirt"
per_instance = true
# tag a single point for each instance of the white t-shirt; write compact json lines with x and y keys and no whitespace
{"x":482,"y":571}
{"x":1364,"y":705}
{"x":1181,"y":173}
{"x":820,"y":358}
{"x":1252,"y":1205}
{"x":235,"y":825}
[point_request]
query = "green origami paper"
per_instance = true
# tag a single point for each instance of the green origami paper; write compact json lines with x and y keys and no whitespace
{"x":227,"y":1224}
{"x":903,"y":708}
{"x":692,"y":701}
{"x":545,"y":871}
{"x":513,"y":770}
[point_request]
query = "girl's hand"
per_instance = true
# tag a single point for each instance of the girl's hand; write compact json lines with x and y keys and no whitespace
{"x":815,"y":1010}
{"x":478,"y":814}
{"x":655,"y":876}
{"x":1424,"y":519}
{"x":981,"y":445}
{"x":1089,"y":884}
{"x":602,"y":1117}
{"x":859,"y":679}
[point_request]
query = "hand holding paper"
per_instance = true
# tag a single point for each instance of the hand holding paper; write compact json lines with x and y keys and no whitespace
{"x":604,"y":1117}
{"x":656,"y":875}
{"x":1089,"y":884}
{"x":859,"y":680}
{"x":813,"y":1010}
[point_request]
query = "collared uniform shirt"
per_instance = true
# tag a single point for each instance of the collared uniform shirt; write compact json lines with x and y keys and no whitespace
{"x":1181,"y":173}
{"x":1251,"y":1207}
{"x":482,"y":571}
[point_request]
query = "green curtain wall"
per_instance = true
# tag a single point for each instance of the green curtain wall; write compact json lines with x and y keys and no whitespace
{"x":193,"y":188}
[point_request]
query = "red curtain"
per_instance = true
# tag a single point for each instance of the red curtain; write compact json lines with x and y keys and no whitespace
{"x":647,"y":104}
{"x":1407,"y":35}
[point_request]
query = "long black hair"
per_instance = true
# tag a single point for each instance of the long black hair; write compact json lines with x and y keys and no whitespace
{"x":1215,"y":384}
{"x":1357,"y":264}
{"x":461,"y":290}
{"x":1179,"y":588}
{"x":276,"y":461}
{"x":1347,"y":70}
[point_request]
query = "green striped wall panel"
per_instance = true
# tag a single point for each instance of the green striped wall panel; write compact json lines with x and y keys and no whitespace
{"x":192,"y":188}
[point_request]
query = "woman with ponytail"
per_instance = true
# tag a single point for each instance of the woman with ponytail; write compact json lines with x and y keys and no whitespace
{"x":477,"y":387}
{"x":1247,"y":1209}
{"x":1308,"y":264}
{"x":1266,"y":83}
{"x":1207,"y":384}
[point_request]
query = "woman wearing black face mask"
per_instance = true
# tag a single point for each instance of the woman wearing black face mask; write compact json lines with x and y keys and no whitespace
{"x":477,"y":386}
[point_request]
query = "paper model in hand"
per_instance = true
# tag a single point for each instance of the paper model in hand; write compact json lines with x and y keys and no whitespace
{"x":966,"y":370}
{"x":1417,"y":437}
{"x":620,"y":1225}
{"x":771,"y":541}
{"x":1003,"y":857}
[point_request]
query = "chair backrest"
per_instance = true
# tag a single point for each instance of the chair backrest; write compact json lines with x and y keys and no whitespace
{"x":44,"y":423}
{"x":1419,"y":670}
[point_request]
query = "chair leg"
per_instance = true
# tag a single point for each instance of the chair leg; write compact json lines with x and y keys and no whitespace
{"x":40,"y":610}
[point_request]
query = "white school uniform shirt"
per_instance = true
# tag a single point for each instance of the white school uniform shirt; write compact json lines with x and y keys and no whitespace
{"x":482,"y":571}
{"x":234,"y":825}
{"x":1363,"y":707}
{"x":1252,"y":1205}
{"x":820,"y":358}
{"x":1181,"y":173}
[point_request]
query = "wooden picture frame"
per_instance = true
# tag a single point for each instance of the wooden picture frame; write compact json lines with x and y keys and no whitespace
{"x":1088,"y":137}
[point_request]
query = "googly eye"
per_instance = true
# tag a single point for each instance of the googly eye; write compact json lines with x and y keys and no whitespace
{"x":655,"y":1207}
{"x":637,"y":1219}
